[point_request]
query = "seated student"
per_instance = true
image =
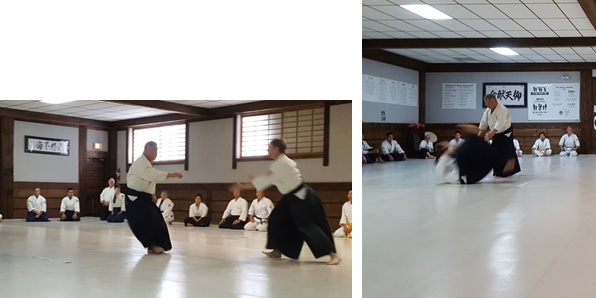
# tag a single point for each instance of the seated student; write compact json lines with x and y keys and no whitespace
{"x":426,"y":148}
{"x":258,"y":213}
{"x":235,"y":215}
{"x":457,"y":140}
{"x":518,"y":150}
{"x":345,"y":222}
{"x":166,"y":206}
{"x":70,"y":208}
{"x":541,"y":146}
{"x":36,"y":205}
{"x":370,"y":154}
{"x":117,"y":206}
{"x":0,"y":217}
{"x":569,"y":143}
{"x":391,"y":150}
{"x":197,"y":214}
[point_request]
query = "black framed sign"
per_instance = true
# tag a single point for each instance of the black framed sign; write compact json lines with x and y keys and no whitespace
{"x":511,"y":95}
{"x":47,"y":146}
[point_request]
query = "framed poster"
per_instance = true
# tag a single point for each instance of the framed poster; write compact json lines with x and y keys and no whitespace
{"x":47,"y":146}
{"x":511,"y":95}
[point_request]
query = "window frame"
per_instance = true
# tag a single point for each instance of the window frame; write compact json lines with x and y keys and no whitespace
{"x":130,"y":138}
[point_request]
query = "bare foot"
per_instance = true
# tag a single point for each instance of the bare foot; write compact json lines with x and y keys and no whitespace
{"x":276,"y":254}
{"x":188,"y":225}
{"x":155,"y":250}
{"x":334,"y":259}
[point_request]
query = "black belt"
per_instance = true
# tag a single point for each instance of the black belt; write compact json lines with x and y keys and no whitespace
{"x":297,"y":189}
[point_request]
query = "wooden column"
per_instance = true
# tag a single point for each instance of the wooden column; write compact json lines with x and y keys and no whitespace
{"x":586,"y":111}
{"x":84,"y":199}
{"x":7,"y":160}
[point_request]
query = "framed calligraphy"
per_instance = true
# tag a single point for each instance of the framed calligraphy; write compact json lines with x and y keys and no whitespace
{"x":511,"y":95}
{"x":47,"y":146}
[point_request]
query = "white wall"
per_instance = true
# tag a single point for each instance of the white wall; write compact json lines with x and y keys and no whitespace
{"x":97,"y":136}
{"x":34,"y":167}
{"x":211,"y":152}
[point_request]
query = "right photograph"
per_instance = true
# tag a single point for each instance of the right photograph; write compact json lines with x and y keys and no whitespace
{"x":478,"y":129}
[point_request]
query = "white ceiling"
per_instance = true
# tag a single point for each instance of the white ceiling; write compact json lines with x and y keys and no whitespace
{"x":384,"y":19}
{"x":107,"y":111}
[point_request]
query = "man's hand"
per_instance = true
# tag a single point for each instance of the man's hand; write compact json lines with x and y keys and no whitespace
{"x":222,"y":221}
{"x":174,"y":175}
{"x":347,"y":229}
{"x":236,"y":222}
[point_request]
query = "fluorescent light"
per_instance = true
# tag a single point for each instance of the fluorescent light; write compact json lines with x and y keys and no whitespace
{"x":426,"y":11}
{"x":57,"y":101}
{"x":505,"y":51}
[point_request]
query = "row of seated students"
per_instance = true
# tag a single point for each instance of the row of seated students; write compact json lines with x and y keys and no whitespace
{"x":390,"y":150}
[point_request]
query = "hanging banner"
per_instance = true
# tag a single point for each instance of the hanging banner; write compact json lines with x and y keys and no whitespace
{"x":553,"y":102}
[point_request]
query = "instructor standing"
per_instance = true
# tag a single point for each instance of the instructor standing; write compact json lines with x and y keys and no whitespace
{"x":496,"y":125}
{"x":144,"y":217}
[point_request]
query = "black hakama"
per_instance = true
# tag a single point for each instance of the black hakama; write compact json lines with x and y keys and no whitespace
{"x":203,"y":222}
{"x":475,"y":159}
{"x":503,"y":145}
{"x":294,"y":221}
{"x":146,"y":222}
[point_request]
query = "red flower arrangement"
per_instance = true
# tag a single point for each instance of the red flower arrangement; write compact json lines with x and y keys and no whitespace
{"x":416,"y":125}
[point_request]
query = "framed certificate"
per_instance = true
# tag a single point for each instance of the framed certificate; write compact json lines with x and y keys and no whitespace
{"x":47,"y":146}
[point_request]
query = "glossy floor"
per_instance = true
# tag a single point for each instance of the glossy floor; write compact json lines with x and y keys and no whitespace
{"x":92,"y":258}
{"x":530,"y":235}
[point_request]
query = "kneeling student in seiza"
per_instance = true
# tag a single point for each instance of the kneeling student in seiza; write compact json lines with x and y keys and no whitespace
{"x":235,"y":215}
{"x":70,"y":207}
{"x":197,"y":214}
{"x":259,"y":211}
{"x":345,"y":222}
{"x":36,"y":205}
{"x":117,"y":206}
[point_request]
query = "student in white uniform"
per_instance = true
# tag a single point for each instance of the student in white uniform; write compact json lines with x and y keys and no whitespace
{"x":117,"y":206}
{"x":144,"y":218}
{"x":299,"y":215}
{"x":518,"y":150}
{"x":456,"y":141}
{"x":426,"y":148}
{"x":236,"y":212}
{"x":391,"y":150}
{"x":258,"y":213}
{"x":104,"y":199}
{"x":36,"y":205}
{"x":345,"y":222}
{"x":370,"y":154}
{"x":166,"y":206}
{"x":569,"y":143}
{"x":542,"y":146}
{"x":70,"y":208}
{"x":197,"y":214}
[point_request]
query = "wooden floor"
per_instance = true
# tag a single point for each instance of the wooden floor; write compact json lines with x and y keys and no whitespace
{"x":530,"y":235}
{"x":92,"y":258}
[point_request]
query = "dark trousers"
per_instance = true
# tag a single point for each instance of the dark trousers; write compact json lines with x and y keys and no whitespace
{"x":203,"y":222}
{"x":294,"y":221}
{"x":116,"y":216}
{"x":69,"y":215}
{"x":371,"y":157}
{"x":103,"y":212}
{"x":146,"y":222}
{"x":505,"y":149}
{"x":31,"y":217}
{"x":228,"y":223}
{"x":396,"y":156}
{"x":423,"y":152}
{"x":475,"y":159}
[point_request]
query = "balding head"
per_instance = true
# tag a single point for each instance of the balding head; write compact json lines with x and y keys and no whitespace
{"x":150,"y":151}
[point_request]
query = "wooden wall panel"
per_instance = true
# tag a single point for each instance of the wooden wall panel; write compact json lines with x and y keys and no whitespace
{"x":53,"y":192}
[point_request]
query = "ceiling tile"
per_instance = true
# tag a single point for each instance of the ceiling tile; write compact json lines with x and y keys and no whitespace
{"x":546,"y":11}
{"x":398,"y":34}
{"x":457,"y":11}
{"x":519,"y":34}
{"x":472,"y":1}
{"x":494,"y":34}
{"x":533,"y":25}
{"x":559,"y":24}
{"x":572,"y":10}
{"x":376,"y":26}
{"x":376,"y":2}
{"x":582,"y":24}
{"x":374,"y":14}
{"x":564,"y":51}
{"x":479,"y":24}
{"x":426,"y":25}
{"x":516,"y":11}
{"x":399,"y":13}
{"x":568,"y":33}
{"x":446,"y":34}
{"x":545,"y":51}
{"x":454,"y":25}
{"x":589,"y":58}
{"x":471,"y":34}
{"x":505,"y":1}
{"x":573,"y":58}
{"x":507,"y":25}
{"x":434,"y":2}
{"x":584,"y":50}
{"x":588,"y":33}
{"x":400,"y":25}
{"x":377,"y":35}
{"x":486,"y":11}
{"x":524,"y":51}
{"x":423,"y":34}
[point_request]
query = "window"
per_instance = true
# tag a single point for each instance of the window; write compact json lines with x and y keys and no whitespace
{"x":302,"y":129}
{"x":170,"y":139}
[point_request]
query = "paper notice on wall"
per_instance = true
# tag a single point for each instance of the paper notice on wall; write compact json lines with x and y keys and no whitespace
{"x":553,"y":101}
{"x":459,"y":96}
{"x":383,"y":90}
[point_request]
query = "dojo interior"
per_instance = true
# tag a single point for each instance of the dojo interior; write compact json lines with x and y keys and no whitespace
{"x":530,"y":235}
{"x":105,"y":259}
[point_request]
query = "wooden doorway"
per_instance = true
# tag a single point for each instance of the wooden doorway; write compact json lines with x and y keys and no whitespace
{"x":93,"y":182}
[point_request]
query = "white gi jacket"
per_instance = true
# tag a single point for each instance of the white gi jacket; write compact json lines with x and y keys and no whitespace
{"x":569,"y":141}
{"x":36,"y":204}
{"x":167,"y":208}
{"x":284,"y":174}
{"x":387,"y":147}
{"x":499,"y":119}
{"x":261,"y":209}
{"x":238,"y":207}
{"x":195,"y":211}
{"x":120,"y":202}
{"x":143,"y":177}
{"x":70,"y":204}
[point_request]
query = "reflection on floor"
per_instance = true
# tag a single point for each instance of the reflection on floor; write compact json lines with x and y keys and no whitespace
{"x":530,"y":235}
{"x":92,"y":258}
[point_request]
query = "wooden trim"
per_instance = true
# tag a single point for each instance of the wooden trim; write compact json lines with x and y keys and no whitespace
{"x":586,"y":111}
{"x":326,"y":134}
{"x":424,"y":43}
{"x":235,"y":146}
{"x":394,"y":59}
{"x":161,"y":119}
{"x":186,"y":145}
{"x":7,"y":163}
{"x":508,"y":67}
{"x":82,"y":163}
{"x":52,"y":119}
{"x":165,"y":105}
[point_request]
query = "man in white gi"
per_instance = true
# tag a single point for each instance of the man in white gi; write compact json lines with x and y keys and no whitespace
{"x":258,"y":213}
{"x":542,"y":146}
{"x":197,"y":214}
{"x":370,"y":154}
{"x":117,"y":206}
{"x":104,"y":199}
{"x":456,"y":141}
{"x":144,"y":218}
{"x":166,"y":206}
{"x":299,"y":215}
{"x":70,"y":207}
{"x":518,"y":150}
{"x":391,"y":150}
{"x":496,"y":125}
{"x":426,"y":148}
{"x":345,"y":222}
{"x":36,"y":204}
{"x":236,"y":212}
{"x":569,"y":143}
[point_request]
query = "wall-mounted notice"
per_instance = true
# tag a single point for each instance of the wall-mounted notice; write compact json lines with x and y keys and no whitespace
{"x":553,"y":101}
{"x":459,"y":95}
{"x":377,"y":89}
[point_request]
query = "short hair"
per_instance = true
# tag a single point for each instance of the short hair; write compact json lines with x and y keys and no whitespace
{"x":388,"y":134}
{"x":69,"y":189}
{"x":150,"y":144}
{"x":199,"y":195}
{"x":457,"y":132}
{"x":542,"y":133}
{"x":116,"y":186}
{"x":490,"y":96}
{"x":568,"y":127}
{"x":111,"y":179}
{"x":279,"y":144}
{"x":164,"y":191}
